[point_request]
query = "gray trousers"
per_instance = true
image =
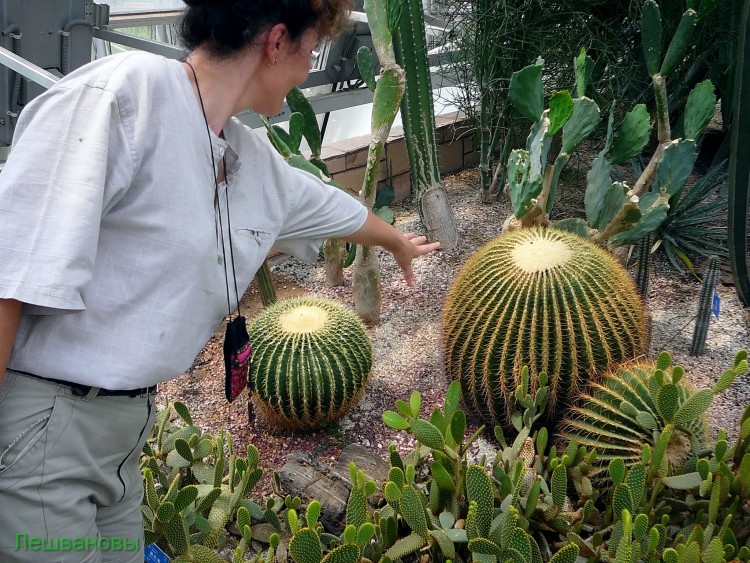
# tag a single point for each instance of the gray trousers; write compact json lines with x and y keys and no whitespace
{"x":70,"y":486}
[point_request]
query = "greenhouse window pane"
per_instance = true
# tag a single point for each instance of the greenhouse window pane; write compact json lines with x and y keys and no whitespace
{"x":142,"y":6}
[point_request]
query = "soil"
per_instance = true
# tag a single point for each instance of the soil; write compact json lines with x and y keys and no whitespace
{"x":406,"y":342}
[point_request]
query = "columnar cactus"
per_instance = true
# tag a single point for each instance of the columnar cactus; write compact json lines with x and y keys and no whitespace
{"x":646,"y":405}
{"x":418,"y":117}
{"x":705,"y":307}
{"x":383,"y":18}
{"x":739,"y":168}
{"x":311,"y":361}
{"x":548,"y":299}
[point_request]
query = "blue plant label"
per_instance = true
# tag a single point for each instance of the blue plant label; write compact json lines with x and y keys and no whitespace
{"x":152,"y":554}
{"x":717,"y":304}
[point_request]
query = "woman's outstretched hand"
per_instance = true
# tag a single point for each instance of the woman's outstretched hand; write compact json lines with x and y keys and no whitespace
{"x":416,"y":246}
{"x":405,"y":247}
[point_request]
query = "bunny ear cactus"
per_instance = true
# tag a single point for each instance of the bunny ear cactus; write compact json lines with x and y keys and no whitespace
{"x":441,"y":437}
{"x":646,"y":404}
{"x":307,"y":543}
{"x":542,"y":298}
{"x":186,"y":508}
{"x":311,"y":361}
{"x":615,"y":212}
{"x":503,"y":512}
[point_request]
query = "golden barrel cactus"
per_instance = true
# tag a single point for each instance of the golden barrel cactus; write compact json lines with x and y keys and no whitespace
{"x":544,"y":298}
{"x":311,"y":361}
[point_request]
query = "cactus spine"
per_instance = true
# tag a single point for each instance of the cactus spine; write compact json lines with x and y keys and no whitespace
{"x":545,"y":298}
{"x":704,"y":307}
{"x":418,"y":116}
{"x":311,"y":361}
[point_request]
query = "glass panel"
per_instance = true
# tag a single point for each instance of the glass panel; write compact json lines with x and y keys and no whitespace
{"x":142,"y":6}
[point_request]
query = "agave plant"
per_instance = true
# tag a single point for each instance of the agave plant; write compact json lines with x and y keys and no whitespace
{"x":696,"y":224}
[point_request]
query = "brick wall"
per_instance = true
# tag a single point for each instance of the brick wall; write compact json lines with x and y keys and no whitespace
{"x":347,"y":159}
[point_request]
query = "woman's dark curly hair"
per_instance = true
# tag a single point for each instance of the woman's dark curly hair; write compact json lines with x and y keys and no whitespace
{"x":227,"y":26}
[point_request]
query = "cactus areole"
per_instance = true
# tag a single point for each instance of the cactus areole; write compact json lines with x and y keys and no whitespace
{"x":544,"y":298}
{"x":311,"y":361}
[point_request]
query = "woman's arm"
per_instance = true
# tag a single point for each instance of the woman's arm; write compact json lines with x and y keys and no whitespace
{"x":10,"y":315}
{"x":404,"y":247}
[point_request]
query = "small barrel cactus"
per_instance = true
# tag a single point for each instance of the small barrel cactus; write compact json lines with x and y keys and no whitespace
{"x":311,"y":361}
{"x":645,"y":404}
{"x":544,"y":298}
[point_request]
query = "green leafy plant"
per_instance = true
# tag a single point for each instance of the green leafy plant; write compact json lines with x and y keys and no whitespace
{"x":615,"y":212}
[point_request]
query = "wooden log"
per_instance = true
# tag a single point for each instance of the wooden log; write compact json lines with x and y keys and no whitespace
{"x":304,"y":476}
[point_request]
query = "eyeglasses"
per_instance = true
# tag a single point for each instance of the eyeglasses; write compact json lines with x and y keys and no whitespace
{"x":317,"y":55}
{"x":314,"y":55}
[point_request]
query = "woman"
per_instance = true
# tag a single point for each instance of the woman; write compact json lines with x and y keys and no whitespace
{"x":130,"y":205}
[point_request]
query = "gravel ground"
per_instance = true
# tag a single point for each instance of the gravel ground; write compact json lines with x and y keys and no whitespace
{"x":407,"y":342}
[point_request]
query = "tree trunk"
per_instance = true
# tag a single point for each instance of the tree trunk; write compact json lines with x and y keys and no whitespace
{"x":437,"y":217}
{"x":333,"y":249}
{"x":366,"y":284}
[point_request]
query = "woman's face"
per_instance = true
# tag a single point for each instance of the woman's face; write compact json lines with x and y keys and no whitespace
{"x":290,"y":69}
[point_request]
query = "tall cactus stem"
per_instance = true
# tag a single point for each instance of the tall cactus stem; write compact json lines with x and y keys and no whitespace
{"x":387,"y":98}
{"x":334,"y":251}
{"x":418,"y":116}
{"x":704,"y":307}
{"x":664,"y":134}
{"x":644,"y":265}
{"x":739,"y":166}
{"x":643,"y":277}
{"x":485,"y":141}
{"x":500,"y":168}
{"x":662,"y":108}
{"x":265,"y":285}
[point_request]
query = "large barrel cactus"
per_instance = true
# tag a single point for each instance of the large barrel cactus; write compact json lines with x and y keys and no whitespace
{"x":544,"y":298}
{"x":645,"y":403}
{"x":311,"y":361}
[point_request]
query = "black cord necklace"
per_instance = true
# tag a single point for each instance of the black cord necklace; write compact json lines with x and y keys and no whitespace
{"x":237,"y":348}
{"x":219,"y":223}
